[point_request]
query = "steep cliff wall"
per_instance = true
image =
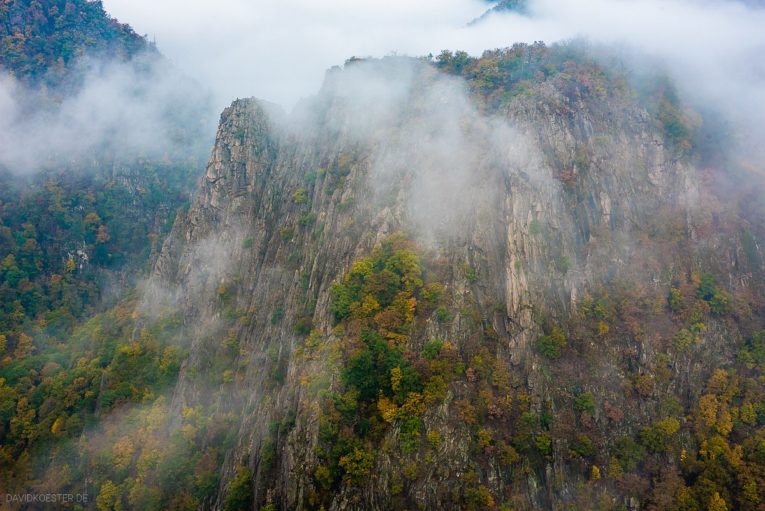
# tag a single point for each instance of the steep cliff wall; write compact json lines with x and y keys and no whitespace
{"x":553,"y":228}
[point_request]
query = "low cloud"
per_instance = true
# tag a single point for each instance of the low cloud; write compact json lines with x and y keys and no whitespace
{"x":432,"y":155}
{"x":279,"y":51}
{"x":141,"y":109}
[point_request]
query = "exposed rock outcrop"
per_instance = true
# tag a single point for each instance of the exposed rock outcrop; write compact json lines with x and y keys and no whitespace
{"x":525,"y":211}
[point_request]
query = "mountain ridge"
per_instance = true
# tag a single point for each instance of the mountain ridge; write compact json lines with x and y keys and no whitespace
{"x":540,"y":276}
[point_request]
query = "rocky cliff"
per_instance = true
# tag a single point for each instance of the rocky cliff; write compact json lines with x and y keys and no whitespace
{"x":548,"y":230}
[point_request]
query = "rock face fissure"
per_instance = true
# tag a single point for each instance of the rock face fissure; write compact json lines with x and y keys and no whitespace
{"x":522,"y":214}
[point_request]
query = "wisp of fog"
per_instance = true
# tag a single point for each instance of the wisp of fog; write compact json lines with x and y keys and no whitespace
{"x":144,"y":108}
{"x":280,"y":51}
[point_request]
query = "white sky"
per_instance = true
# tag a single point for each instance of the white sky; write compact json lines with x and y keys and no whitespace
{"x":279,"y":49}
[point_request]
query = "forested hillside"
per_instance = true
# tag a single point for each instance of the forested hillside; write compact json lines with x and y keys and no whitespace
{"x":42,"y":40}
{"x":78,"y":230}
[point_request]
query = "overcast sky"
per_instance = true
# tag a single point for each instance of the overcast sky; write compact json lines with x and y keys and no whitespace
{"x":279,"y":49}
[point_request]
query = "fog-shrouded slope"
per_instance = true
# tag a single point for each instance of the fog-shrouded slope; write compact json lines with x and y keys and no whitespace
{"x":78,"y":87}
{"x":409,"y":295}
{"x":504,"y":6}
{"x":515,"y":288}
{"x":42,"y":40}
{"x":100,"y":142}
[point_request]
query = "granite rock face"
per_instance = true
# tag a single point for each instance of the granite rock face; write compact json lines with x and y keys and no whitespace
{"x":527,"y":210}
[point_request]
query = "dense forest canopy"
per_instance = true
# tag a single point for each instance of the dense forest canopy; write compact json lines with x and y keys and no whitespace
{"x":78,"y":233}
{"x":42,"y":40}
